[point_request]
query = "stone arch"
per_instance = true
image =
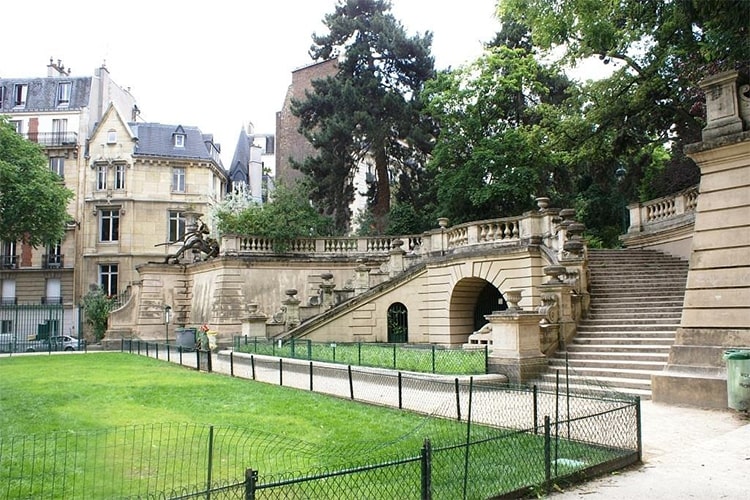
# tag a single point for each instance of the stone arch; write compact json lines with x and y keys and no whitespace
{"x":470,"y":300}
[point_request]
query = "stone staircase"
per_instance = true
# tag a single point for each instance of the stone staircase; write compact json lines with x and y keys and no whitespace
{"x":636,"y":305}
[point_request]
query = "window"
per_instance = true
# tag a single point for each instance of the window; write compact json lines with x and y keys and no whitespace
{"x":17,"y":125}
{"x":6,"y":326}
{"x":63,"y":94}
{"x":108,"y":278}
{"x":109,"y":225}
{"x":54,"y":257}
{"x":101,"y":177}
{"x":178,"y":180}
{"x":111,"y":136}
{"x":179,"y":140}
{"x":20,"y":92}
{"x":9,"y":257}
{"x":120,"y":176}
{"x":57,"y":165}
{"x":59,"y":130}
{"x":9,"y":292}
{"x":176,"y":226}
{"x":53,"y":291}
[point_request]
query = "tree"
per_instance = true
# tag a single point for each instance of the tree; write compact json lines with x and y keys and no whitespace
{"x":96,"y":307}
{"x":33,"y":200}
{"x":662,"y":49}
{"x":288,"y":215}
{"x":491,"y":158}
{"x":370,"y":111}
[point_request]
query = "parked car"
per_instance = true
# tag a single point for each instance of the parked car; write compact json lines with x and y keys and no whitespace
{"x":56,"y":343}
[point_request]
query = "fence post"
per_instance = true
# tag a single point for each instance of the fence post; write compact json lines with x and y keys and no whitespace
{"x":252,"y":366}
{"x":547,"y":455}
{"x":179,"y":350}
{"x":426,"y":470}
{"x":251,"y":479}
{"x":639,"y":428}
{"x":486,"y":359}
{"x":293,"y":356}
{"x":210,"y":458}
{"x":400,"y":395}
{"x":281,"y":371}
{"x":231,"y":364}
{"x":309,"y":349}
{"x":359,"y":353}
{"x":468,"y":437}
{"x":433,"y":358}
{"x":311,"y":375}
{"x":210,"y":362}
{"x":535,"y":407}
{"x":351,"y":383}
{"x":458,"y":400}
{"x":394,"y":356}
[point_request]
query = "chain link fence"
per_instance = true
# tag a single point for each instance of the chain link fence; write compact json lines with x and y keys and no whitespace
{"x":478,"y":438}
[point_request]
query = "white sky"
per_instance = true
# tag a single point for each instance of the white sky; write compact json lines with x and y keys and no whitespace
{"x":212,"y":64}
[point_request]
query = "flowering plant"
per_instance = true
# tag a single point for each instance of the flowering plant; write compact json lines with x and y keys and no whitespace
{"x":204,"y":328}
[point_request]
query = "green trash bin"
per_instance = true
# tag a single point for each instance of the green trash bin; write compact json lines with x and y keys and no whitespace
{"x":738,"y":379}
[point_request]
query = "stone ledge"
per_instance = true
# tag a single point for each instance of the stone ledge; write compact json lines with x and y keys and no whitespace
{"x":689,"y":388}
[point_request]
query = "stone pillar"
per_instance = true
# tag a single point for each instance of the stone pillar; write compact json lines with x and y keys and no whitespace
{"x":254,"y":324}
{"x":516,"y":349}
{"x":557,"y":305}
{"x":291,"y":303}
{"x":722,"y":105}
{"x":327,"y":301}
{"x":716,"y":308}
{"x":361,"y":278}
{"x":396,"y":261}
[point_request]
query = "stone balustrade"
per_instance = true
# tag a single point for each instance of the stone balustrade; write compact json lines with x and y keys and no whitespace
{"x":666,"y":211}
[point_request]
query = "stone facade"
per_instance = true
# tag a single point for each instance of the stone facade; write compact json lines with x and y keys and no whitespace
{"x":716,"y":311}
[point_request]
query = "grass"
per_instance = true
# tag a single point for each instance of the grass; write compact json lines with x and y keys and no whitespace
{"x":112,"y":424}
{"x":430,"y":359}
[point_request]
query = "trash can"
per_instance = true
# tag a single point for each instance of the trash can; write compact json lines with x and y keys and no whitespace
{"x":738,"y":379}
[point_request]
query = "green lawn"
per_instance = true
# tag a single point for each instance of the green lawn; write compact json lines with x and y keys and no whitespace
{"x":101,"y":425}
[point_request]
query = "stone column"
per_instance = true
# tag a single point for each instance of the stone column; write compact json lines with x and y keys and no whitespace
{"x":516,"y":349}
{"x":396,"y":261}
{"x":292,"y":318}
{"x":254,"y":324}
{"x":326,"y":288}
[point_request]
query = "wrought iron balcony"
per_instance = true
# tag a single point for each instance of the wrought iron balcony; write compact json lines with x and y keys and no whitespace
{"x":9,"y":261}
{"x":53,"y":138}
{"x":52,"y":261}
{"x":52,"y":300}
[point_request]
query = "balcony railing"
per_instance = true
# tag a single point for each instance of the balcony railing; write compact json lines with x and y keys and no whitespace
{"x":53,"y":138}
{"x":664,"y":212}
{"x":52,"y":261}
{"x":9,"y":261}
{"x":52,"y":300}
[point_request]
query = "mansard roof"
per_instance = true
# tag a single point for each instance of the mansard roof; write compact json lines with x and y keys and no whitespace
{"x":42,"y":93}
{"x":157,"y":139}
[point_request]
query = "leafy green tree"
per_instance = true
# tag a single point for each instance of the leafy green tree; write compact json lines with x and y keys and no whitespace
{"x":660,"y":51}
{"x":96,"y":308}
{"x":33,"y":201}
{"x":287,"y":216}
{"x":491,"y":158}
{"x":369,"y":111}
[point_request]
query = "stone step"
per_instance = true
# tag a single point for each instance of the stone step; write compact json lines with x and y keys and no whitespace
{"x":632,"y":320}
{"x":607,"y":314}
{"x":618,"y":337}
{"x":606,"y":356}
{"x":577,"y":365}
{"x":585,"y":329}
{"x":628,"y":348}
{"x":579,"y":383}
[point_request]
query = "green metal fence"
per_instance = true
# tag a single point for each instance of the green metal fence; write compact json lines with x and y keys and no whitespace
{"x":425,"y":358}
{"x":502,"y":441}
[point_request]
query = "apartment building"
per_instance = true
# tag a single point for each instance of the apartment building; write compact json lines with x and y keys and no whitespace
{"x":134,"y":184}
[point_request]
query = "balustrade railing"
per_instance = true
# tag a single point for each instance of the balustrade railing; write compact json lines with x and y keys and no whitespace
{"x":663,"y":211}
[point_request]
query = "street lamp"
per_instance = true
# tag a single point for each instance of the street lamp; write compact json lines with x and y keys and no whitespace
{"x":167,"y":314}
{"x":620,"y":174}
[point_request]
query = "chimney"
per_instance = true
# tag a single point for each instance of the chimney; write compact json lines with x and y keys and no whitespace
{"x":56,"y":69}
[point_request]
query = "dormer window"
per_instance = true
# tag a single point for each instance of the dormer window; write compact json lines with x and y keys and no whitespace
{"x":111,"y":136}
{"x":179,"y":140}
{"x":20,"y":92}
{"x":63,"y":94}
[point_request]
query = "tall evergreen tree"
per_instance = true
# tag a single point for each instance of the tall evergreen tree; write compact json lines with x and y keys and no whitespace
{"x":369,"y":112}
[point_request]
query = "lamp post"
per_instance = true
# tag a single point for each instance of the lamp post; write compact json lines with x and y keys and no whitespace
{"x":620,"y":175}
{"x":167,"y":314}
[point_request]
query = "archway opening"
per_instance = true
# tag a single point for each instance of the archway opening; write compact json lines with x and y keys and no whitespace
{"x":489,"y":300}
{"x":398,"y":323}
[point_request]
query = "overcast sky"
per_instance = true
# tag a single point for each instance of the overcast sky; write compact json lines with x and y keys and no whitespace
{"x":212,"y":64}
